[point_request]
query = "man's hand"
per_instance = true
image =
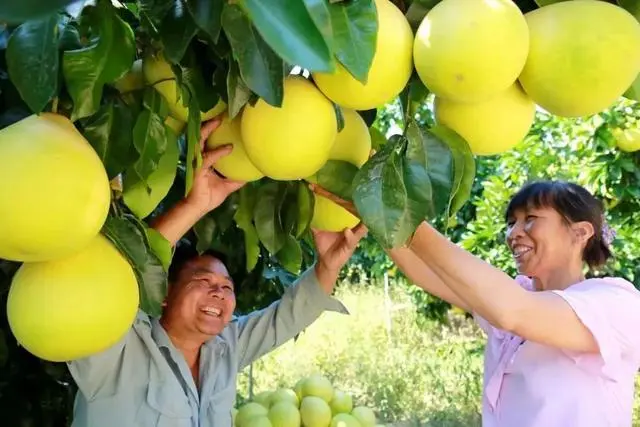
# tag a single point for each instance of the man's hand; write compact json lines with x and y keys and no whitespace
{"x":209,"y":189}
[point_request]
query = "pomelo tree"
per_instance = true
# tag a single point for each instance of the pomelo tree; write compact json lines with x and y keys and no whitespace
{"x":137,"y":78}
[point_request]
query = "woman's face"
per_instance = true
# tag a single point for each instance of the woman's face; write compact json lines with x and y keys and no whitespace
{"x":541,"y":241}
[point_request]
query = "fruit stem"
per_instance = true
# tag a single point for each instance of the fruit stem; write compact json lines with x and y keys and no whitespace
{"x":54,"y":105}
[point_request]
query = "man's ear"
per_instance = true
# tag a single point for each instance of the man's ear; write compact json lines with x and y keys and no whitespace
{"x":583,"y":231}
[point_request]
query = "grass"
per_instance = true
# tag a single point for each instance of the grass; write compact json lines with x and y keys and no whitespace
{"x":419,"y":374}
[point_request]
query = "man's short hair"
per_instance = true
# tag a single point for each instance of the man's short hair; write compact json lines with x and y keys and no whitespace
{"x":185,"y":251}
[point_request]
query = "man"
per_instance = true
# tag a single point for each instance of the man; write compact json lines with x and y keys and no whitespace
{"x":180,"y":370}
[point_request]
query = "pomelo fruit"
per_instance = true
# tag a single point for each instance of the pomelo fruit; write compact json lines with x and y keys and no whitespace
{"x":342,"y":403}
{"x":315,"y":412}
{"x":284,"y":414}
{"x":250,"y":410}
{"x":627,"y":140}
{"x":353,"y":142}
{"x":583,"y":56}
{"x":136,"y":194}
{"x":489,"y":127}
{"x":75,"y":306}
{"x":365,"y":416}
{"x":319,"y":386}
{"x":237,"y":165}
{"x":263,"y":398}
{"x":55,"y":194}
{"x":293,"y":141}
{"x":132,"y":80}
{"x":345,"y":420}
{"x":157,"y":72}
{"x":471,"y":50}
{"x":284,"y":395}
{"x":390,"y":69}
{"x":257,"y":421}
{"x":329,"y":216}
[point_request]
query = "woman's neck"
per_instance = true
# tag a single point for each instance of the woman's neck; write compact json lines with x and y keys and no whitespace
{"x":559,"y":279}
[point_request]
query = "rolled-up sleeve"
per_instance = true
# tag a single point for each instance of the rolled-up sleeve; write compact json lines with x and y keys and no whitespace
{"x":264,"y":330}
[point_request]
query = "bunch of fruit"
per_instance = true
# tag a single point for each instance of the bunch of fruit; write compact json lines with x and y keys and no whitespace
{"x":313,"y":402}
{"x":53,"y":204}
{"x":489,"y":65}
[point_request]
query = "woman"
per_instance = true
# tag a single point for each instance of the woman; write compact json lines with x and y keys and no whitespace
{"x":562,"y":350}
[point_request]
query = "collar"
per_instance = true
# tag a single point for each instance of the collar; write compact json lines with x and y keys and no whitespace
{"x":160,"y":336}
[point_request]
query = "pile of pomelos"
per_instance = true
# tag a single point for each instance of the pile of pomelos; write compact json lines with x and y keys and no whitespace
{"x":312,"y":402}
{"x":74,"y":294}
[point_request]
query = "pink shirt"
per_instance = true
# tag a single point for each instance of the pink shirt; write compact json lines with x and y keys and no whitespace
{"x":532,"y":385}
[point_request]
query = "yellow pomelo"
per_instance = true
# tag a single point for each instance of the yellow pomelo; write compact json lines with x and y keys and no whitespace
{"x":133,"y":80}
{"x":389,"y":72}
{"x":365,"y":416}
{"x":298,"y":388}
{"x":471,"y":50}
{"x":284,"y":395}
{"x":353,"y":143}
{"x":493,"y":126}
{"x":248,"y":411}
{"x":319,"y":386}
{"x":329,"y":216}
{"x":236,"y":165}
{"x":315,"y":412}
{"x":158,"y":72}
{"x":627,"y":140}
{"x":75,"y":306}
{"x":583,"y":56}
{"x":174,"y":124}
{"x":284,"y":414}
{"x":293,"y":141}
{"x":143,"y":197}
{"x":345,"y":420}
{"x":341,"y":403}
{"x":263,"y":398}
{"x":55,"y":194}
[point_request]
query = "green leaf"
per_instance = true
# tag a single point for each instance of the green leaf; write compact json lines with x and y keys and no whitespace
{"x":427,"y":151}
{"x":237,"y":89}
{"x":266,"y":216}
{"x":305,"y":202}
{"x":377,"y":138}
{"x":207,"y":15}
{"x":336,"y":176}
{"x":413,"y":96}
{"x":176,"y":31}
{"x":160,"y":247}
{"x":142,"y":197}
{"x":129,"y":237}
{"x":290,"y":256}
{"x":87,"y":70}
{"x":194,"y":155}
{"x":190,"y":78}
{"x":339,"y":116}
{"x":355,"y":33}
{"x":633,"y":6}
{"x":464,"y":166}
{"x":382,"y":200}
{"x":33,"y":61}
{"x":287,"y":27}
{"x":319,"y":13}
{"x":244,"y":218}
{"x":18,"y":11}
{"x":260,"y":67}
{"x":633,"y":92}
{"x":149,"y":136}
{"x":110,"y":133}
{"x":205,"y":230}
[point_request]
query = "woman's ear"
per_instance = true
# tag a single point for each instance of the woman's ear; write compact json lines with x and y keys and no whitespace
{"x":583,"y":231}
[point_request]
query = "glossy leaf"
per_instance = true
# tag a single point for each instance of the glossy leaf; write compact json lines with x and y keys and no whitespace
{"x":110,"y":133}
{"x":266,"y":216}
{"x":33,"y":61}
{"x":160,"y":247}
{"x":149,"y":136}
{"x":237,"y":89}
{"x":355,"y":32}
{"x":244,"y":218}
{"x":194,"y":155}
{"x":320,"y":15}
{"x":18,"y":11}
{"x":304,"y":203}
{"x":128,"y":237}
{"x":205,"y":230}
{"x":207,"y":15}
{"x":87,"y":70}
{"x":336,"y":176}
{"x":260,"y":67}
{"x":290,"y":256}
{"x":377,"y":138}
{"x":287,"y":27}
{"x":381,"y":198}
{"x":176,"y":31}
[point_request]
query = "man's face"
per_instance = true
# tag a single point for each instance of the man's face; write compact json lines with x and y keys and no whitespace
{"x":202,"y":300}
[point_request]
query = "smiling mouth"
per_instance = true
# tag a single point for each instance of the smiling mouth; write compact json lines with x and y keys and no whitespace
{"x":520,"y":251}
{"x":211,"y":311}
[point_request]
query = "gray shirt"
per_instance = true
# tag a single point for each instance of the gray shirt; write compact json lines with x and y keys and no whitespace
{"x":144,"y":381}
